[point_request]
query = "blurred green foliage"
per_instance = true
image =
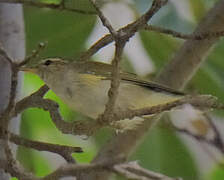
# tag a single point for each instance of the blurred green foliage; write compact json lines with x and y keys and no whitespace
{"x":217,"y":173}
{"x":66,"y":34}
{"x":160,"y":47}
{"x":163,"y":151}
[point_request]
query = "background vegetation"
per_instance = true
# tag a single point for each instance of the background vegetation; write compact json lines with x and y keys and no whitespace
{"x":66,"y":33}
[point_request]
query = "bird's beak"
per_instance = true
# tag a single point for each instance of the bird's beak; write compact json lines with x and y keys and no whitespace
{"x":28,"y":69}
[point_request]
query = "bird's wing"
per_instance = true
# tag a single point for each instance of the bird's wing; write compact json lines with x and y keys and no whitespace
{"x":105,"y":71}
{"x":149,"y":84}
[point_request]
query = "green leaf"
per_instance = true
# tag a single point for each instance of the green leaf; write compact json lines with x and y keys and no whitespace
{"x":198,"y":8}
{"x":159,"y":47}
{"x":33,"y":161}
{"x":162,"y":151}
{"x":84,"y":5}
{"x":217,"y":173}
{"x":65,"y":32}
{"x":50,"y":1}
{"x":210,"y":78}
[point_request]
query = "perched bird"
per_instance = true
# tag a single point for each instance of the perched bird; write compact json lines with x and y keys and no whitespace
{"x":84,"y":86}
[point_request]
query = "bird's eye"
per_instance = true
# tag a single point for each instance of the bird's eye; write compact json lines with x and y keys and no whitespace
{"x":48,"y":62}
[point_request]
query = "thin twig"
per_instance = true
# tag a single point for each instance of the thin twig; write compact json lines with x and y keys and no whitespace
{"x":24,"y":103}
{"x":129,"y":170}
{"x":5,"y":117}
{"x":200,"y":101}
{"x":201,"y":138}
{"x":76,"y":128}
{"x":12,"y":94}
{"x":40,"y":4}
{"x":115,"y":83}
{"x":104,"y":41}
{"x":132,"y":170}
{"x":125,"y":32}
{"x":14,"y":76}
{"x":103,"y":19}
{"x":5,"y":55}
{"x":176,"y":34}
{"x":63,"y":150}
{"x":16,"y":170}
{"x":218,"y":142}
{"x":35,"y":53}
{"x":76,"y":169}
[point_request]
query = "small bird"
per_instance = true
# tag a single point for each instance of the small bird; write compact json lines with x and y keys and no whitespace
{"x":84,"y":86}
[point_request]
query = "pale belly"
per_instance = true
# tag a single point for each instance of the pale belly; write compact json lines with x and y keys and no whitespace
{"x":90,"y":98}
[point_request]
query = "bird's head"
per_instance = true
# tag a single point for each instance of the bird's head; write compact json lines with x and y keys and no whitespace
{"x":46,"y":66}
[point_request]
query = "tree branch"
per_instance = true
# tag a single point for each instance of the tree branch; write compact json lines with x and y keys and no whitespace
{"x":177,"y":73}
{"x":216,"y":141}
{"x":132,"y":170}
{"x":16,"y":171}
{"x":199,"y":36}
{"x":116,"y":147}
{"x":103,"y":19}
{"x":201,"y":102}
{"x":193,"y":53}
{"x":11,"y":33}
{"x":125,"y":32}
{"x":63,"y":150}
{"x":35,"y":53}
{"x":39,"y":4}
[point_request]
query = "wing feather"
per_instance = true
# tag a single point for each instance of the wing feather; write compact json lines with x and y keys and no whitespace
{"x":105,"y":70}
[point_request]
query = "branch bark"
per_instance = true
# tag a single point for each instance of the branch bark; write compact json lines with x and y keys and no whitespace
{"x":193,"y":53}
{"x":12,"y":39}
